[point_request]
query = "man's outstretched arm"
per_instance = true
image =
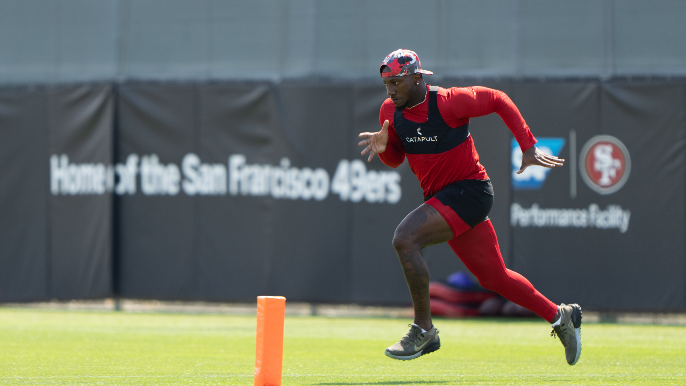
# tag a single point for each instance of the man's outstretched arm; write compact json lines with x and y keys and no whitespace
{"x":477,"y":101}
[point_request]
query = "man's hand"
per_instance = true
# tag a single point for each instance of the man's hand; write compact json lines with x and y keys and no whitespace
{"x":533,"y":156}
{"x":375,"y":142}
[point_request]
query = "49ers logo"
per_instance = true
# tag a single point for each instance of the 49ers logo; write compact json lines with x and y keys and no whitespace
{"x":604,"y":164}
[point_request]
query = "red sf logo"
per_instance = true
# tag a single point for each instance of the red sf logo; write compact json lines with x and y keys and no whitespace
{"x":604,"y":164}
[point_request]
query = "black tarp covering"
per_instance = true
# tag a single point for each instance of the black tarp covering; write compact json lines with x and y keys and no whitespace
{"x":226,"y":191}
{"x":55,"y":245}
{"x":80,"y":125}
{"x":24,"y":195}
{"x":643,"y":267}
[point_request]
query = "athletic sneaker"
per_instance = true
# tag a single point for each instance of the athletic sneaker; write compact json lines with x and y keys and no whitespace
{"x":569,"y":331}
{"x":416,"y":343}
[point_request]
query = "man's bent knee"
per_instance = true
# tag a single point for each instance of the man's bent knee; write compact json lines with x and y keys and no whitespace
{"x":494,"y":281}
{"x":488,"y":284}
{"x":403,"y":241}
{"x":424,"y":226}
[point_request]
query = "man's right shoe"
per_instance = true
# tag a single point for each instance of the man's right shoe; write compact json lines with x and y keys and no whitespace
{"x":569,"y":331}
{"x":415,"y":344}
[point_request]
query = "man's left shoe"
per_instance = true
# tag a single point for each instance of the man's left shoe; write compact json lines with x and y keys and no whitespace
{"x":569,"y":331}
{"x":415,"y":344}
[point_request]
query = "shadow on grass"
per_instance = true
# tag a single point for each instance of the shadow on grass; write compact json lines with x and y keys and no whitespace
{"x":384,"y":383}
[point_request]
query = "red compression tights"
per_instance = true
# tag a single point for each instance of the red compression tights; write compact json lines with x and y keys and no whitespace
{"x":479,"y":251}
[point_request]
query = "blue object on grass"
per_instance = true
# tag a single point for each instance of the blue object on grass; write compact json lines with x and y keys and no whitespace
{"x":461,"y":280}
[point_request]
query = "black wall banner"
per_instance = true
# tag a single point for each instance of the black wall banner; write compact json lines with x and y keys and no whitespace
{"x":608,"y":228}
{"x":226,"y":191}
{"x":24,"y":195}
{"x":55,"y":165}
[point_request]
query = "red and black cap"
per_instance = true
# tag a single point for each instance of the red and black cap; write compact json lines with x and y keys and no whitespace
{"x":403,"y":62}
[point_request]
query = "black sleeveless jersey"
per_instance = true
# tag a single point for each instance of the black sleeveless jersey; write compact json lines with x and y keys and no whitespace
{"x":431,"y":137}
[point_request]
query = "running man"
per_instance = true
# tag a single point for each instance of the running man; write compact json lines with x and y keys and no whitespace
{"x":429,"y":126}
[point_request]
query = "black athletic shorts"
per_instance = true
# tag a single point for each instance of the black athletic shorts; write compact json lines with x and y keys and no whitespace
{"x":471,"y":200}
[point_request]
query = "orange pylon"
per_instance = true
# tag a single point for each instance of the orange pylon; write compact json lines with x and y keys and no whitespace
{"x":269,"y":343}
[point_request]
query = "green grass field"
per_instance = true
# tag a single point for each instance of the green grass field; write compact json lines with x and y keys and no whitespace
{"x":41,"y":347}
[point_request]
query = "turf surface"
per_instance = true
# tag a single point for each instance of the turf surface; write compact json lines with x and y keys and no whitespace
{"x":41,"y":347}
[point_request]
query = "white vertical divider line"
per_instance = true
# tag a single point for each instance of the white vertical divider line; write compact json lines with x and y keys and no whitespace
{"x":572,"y":163}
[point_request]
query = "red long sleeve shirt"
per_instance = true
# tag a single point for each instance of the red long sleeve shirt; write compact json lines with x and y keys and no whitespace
{"x":456,"y":105}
